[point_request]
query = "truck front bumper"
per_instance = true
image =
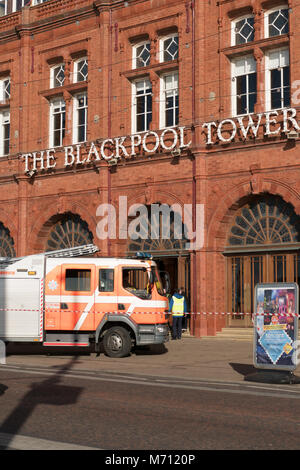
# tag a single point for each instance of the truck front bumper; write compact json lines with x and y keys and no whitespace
{"x":152,"y":334}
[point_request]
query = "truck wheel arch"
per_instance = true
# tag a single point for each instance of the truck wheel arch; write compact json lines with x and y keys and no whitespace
{"x":114,"y":320}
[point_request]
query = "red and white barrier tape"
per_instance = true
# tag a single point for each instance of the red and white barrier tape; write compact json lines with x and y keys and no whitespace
{"x":48,"y":310}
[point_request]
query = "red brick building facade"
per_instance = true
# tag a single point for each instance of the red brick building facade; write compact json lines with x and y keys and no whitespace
{"x":164,"y":102}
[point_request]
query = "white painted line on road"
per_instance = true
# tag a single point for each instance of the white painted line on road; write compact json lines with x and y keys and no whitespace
{"x":205,"y":386}
{"x":17,"y":442}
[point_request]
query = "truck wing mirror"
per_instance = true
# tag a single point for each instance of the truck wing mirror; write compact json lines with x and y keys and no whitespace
{"x":166,"y":281}
{"x":151,"y":278}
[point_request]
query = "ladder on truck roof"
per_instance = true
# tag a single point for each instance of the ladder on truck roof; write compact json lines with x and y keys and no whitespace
{"x":73,"y":252}
{"x":65,"y":253}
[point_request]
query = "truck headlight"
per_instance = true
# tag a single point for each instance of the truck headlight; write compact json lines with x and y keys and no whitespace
{"x":161,"y":329}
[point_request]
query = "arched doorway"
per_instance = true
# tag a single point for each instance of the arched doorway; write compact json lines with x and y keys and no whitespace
{"x":162,"y":234}
{"x":67,"y":231}
{"x":7,"y":245}
{"x":262,"y":246}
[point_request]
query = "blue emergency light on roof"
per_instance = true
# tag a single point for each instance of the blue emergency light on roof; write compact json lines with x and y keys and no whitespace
{"x":143,"y":255}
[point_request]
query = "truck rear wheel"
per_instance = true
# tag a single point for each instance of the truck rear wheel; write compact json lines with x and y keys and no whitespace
{"x":117,"y":342}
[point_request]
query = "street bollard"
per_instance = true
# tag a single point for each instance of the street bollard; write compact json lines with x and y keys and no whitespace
{"x":2,"y":352}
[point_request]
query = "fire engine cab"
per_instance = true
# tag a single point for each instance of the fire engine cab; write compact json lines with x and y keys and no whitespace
{"x":61,"y":298}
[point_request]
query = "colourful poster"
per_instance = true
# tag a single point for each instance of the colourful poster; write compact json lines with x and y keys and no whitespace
{"x":276,"y":326}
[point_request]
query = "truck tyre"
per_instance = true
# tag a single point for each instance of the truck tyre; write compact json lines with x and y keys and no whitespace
{"x":117,"y":342}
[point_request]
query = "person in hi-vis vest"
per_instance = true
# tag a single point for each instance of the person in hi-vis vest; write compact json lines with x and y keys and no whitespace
{"x":178,"y":308}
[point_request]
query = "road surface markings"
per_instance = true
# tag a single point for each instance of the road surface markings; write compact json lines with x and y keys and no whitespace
{"x":17,"y":442}
{"x":170,"y":382}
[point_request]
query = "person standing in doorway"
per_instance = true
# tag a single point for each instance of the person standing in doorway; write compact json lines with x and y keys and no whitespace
{"x":177,"y":306}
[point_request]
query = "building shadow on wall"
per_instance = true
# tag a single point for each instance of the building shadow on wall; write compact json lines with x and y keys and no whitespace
{"x":49,"y":392}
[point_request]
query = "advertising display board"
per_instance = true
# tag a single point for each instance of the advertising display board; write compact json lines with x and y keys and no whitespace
{"x":276,"y":326}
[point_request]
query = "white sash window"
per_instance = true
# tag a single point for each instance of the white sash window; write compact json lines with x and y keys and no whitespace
{"x":80,"y":118}
{"x":244,"y":87}
{"x":4,"y":131}
{"x":57,"y":122}
{"x":169,"y":109}
{"x":10,"y":6}
{"x":278,"y":79}
{"x":141,"y":105}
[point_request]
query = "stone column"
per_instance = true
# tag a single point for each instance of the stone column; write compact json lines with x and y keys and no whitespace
{"x":258,"y":56}
{"x":260,"y":80}
{"x":69,"y":118}
{"x":22,"y":217}
{"x":155,"y":82}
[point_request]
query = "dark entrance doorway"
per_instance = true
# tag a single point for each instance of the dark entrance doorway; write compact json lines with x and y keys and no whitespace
{"x":178,"y":268}
{"x":162,"y":234}
{"x":169,"y":265}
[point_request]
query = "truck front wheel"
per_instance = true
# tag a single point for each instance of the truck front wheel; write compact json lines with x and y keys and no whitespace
{"x":117,"y":342}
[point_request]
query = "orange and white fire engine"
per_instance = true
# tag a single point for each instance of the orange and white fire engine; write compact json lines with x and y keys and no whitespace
{"x":60,"y":298}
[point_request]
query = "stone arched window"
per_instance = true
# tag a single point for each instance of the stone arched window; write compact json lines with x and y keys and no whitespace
{"x":67,"y":232}
{"x":161,"y":231}
{"x":266,"y":221}
{"x":7,"y":246}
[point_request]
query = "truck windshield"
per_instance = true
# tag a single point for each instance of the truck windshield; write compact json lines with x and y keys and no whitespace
{"x":157,"y":280}
{"x":136,"y":281}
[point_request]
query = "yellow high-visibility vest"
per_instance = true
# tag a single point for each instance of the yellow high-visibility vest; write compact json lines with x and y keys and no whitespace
{"x":178,"y":306}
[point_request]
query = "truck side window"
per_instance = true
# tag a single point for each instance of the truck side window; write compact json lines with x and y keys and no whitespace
{"x":78,"y":279}
{"x":136,"y":281}
{"x":106,"y":280}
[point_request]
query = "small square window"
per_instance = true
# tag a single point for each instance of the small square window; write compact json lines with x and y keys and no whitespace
{"x":169,"y":48}
{"x":141,"y":55}
{"x":5,"y":89}
{"x":279,"y":22}
{"x":57,"y":76}
{"x":81,"y":70}
{"x":243,"y":30}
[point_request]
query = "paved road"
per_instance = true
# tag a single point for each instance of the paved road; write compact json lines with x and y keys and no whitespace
{"x":73,"y":405}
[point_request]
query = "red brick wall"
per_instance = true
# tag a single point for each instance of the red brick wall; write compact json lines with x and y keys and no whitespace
{"x":225,"y":175}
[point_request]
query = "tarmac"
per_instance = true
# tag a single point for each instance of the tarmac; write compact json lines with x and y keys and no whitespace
{"x":207,"y":358}
{"x":212,"y":361}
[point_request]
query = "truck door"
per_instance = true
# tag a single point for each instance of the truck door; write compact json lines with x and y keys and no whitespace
{"x":106,"y":292}
{"x":77,"y":297}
